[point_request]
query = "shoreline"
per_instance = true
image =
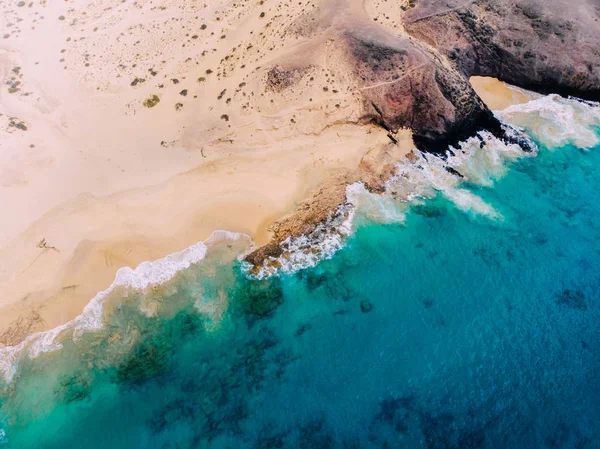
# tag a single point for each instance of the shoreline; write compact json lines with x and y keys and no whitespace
{"x":60,"y":294}
{"x":416,"y":174}
{"x":147,"y":275}
{"x":158,"y":273}
{"x":97,"y":178}
{"x":57,"y":280}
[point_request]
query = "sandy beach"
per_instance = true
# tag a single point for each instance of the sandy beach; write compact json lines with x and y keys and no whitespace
{"x":498,"y":95}
{"x":92,"y":180}
{"x":130,"y":131}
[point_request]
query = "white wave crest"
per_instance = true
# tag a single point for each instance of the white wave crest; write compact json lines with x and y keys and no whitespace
{"x":306,"y":251}
{"x":479,"y":160}
{"x":556,"y":121}
{"x":145,"y":275}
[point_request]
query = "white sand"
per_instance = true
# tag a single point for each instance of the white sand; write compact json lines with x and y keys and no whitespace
{"x":97,"y":181}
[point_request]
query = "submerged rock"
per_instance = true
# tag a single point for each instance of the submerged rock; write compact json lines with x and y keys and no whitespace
{"x":145,"y":362}
{"x":302,"y":329}
{"x":573,"y":299}
{"x":366,"y":306}
{"x":73,"y":388}
{"x":429,"y":211}
{"x":260,"y":298}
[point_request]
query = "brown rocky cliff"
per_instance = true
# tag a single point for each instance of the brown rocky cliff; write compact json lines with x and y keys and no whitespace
{"x":400,"y":81}
{"x":405,"y":85}
{"x":550,"y":47}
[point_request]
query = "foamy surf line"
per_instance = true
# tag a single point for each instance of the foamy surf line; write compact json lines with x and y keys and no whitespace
{"x":145,"y":275}
{"x":479,"y":160}
{"x":552,"y":120}
{"x":556,"y":121}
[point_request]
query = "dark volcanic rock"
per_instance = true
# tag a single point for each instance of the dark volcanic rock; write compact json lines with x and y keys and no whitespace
{"x":546,"y":46}
{"x":260,"y":298}
{"x":407,"y":86}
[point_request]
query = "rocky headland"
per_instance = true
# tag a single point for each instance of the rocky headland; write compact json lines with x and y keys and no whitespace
{"x":418,"y":79}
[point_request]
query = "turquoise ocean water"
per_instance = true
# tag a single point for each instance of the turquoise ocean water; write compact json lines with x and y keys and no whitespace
{"x":466,"y":319}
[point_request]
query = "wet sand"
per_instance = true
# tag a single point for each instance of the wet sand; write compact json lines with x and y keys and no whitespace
{"x":498,"y":95}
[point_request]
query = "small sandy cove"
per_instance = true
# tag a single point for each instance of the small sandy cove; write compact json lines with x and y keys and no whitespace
{"x":127,"y":133}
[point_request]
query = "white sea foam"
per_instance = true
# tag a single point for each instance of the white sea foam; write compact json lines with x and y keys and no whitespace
{"x":556,"y":121}
{"x":374,"y":207}
{"x":308,"y":250}
{"x":147,"y":274}
{"x":479,"y":160}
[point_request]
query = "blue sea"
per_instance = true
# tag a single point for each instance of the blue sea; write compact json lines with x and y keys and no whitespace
{"x":458,"y":312}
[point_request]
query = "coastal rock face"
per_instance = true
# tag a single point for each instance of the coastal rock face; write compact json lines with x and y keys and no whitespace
{"x":405,"y":85}
{"x":378,"y":73}
{"x":305,"y":218}
{"x":549,"y":46}
{"x":409,"y":67}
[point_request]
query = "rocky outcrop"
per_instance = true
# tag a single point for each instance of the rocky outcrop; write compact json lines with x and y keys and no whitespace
{"x":548,"y":46}
{"x":405,"y":85}
{"x":305,"y":218}
{"x":419,"y":79}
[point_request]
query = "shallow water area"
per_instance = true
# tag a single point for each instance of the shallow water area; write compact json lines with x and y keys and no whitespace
{"x":436,"y":325}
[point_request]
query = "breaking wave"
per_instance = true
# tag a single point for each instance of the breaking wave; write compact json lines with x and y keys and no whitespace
{"x":144,"y":276}
{"x":481,"y":160}
{"x":478,"y":161}
{"x":555,"y":121}
{"x":306,"y":251}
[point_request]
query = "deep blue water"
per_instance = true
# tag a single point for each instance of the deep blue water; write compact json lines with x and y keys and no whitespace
{"x":448,"y":331}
